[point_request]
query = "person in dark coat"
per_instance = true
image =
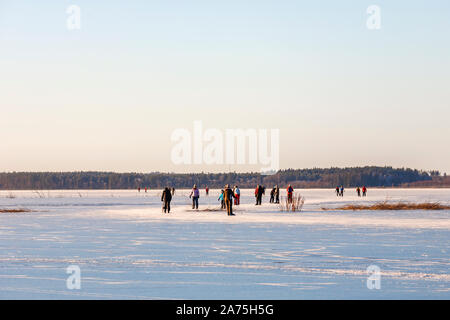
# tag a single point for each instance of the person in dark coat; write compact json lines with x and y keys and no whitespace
{"x":277,"y":194}
{"x":272,"y":195}
{"x":228,"y":196}
{"x":166,"y":198}
{"x":258,"y":194}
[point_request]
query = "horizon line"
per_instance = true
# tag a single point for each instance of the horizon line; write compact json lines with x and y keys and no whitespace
{"x":221,"y":172}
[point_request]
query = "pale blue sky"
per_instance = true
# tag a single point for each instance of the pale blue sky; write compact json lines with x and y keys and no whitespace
{"x":108,"y":96}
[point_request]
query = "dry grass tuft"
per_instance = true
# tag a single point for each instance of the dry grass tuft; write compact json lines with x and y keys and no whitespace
{"x":40,"y":194}
{"x":14,"y":210}
{"x":394,"y":206}
{"x":296,"y":205}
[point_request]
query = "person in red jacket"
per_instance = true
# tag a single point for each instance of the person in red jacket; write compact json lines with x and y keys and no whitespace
{"x":258,"y":194}
{"x":290,"y":192}
{"x":237,"y":195}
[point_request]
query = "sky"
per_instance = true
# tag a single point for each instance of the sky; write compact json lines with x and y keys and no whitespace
{"x":109,"y":95}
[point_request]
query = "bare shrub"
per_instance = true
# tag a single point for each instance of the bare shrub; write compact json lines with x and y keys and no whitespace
{"x":40,"y":194}
{"x":292,"y":206}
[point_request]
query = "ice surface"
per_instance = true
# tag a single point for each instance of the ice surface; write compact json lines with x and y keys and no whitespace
{"x":127,"y":248}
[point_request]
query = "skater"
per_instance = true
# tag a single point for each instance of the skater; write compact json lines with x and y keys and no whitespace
{"x":258,"y":194}
{"x":272,"y":195}
{"x":358,"y":191}
{"x":173,"y":191}
{"x":277,"y":194}
{"x":228,"y":197}
{"x":145,"y":189}
{"x":195,"y":194}
{"x":139,"y":189}
{"x":237,"y":195}
{"x":221,"y":199}
{"x":290,"y":192}
{"x":364,"y":191}
{"x":207,"y":190}
{"x":342,"y":191}
{"x":166,"y":198}
{"x":338,"y":193}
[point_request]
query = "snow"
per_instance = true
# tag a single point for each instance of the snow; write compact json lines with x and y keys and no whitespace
{"x":127,"y":248}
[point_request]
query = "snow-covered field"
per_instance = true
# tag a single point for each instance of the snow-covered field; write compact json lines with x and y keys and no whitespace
{"x":127,"y":249}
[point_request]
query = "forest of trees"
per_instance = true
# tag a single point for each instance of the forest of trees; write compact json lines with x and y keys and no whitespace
{"x":300,"y":178}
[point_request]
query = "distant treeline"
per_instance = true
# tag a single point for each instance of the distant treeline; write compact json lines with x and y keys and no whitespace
{"x":300,"y":178}
{"x":436,"y":182}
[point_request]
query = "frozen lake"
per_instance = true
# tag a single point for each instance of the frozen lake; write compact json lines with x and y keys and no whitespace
{"x":126,"y":248}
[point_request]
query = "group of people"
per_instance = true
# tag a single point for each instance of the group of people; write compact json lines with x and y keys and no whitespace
{"x":139,"y":189}
{"x":340,"y":191}
{"x":363,"y":189}
{"x":228,"y":196}
{"x":274,"y":194}
{"x":236,"y":194}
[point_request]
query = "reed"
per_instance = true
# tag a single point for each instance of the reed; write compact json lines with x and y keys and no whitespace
{"x":296,"y":205}
{"x":385,"y":205}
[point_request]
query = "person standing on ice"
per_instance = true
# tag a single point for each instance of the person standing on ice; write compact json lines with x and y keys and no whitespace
{"x":237,"y":195}
{"x":358,"y":191}
{"x":207,"y":190}
{"x":166,"y":198}
{"x":221,"y":199}
{"x":272,"y":195}
{"x":290,"y":192}
{"x":342,"y":191}
{"x":364,"y":190}
{"x":277,"y":194}
{"x":195,"y":194}
{"x":338,"y":193}
{"x":258,"y":194}
{"x":228,"y":196}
